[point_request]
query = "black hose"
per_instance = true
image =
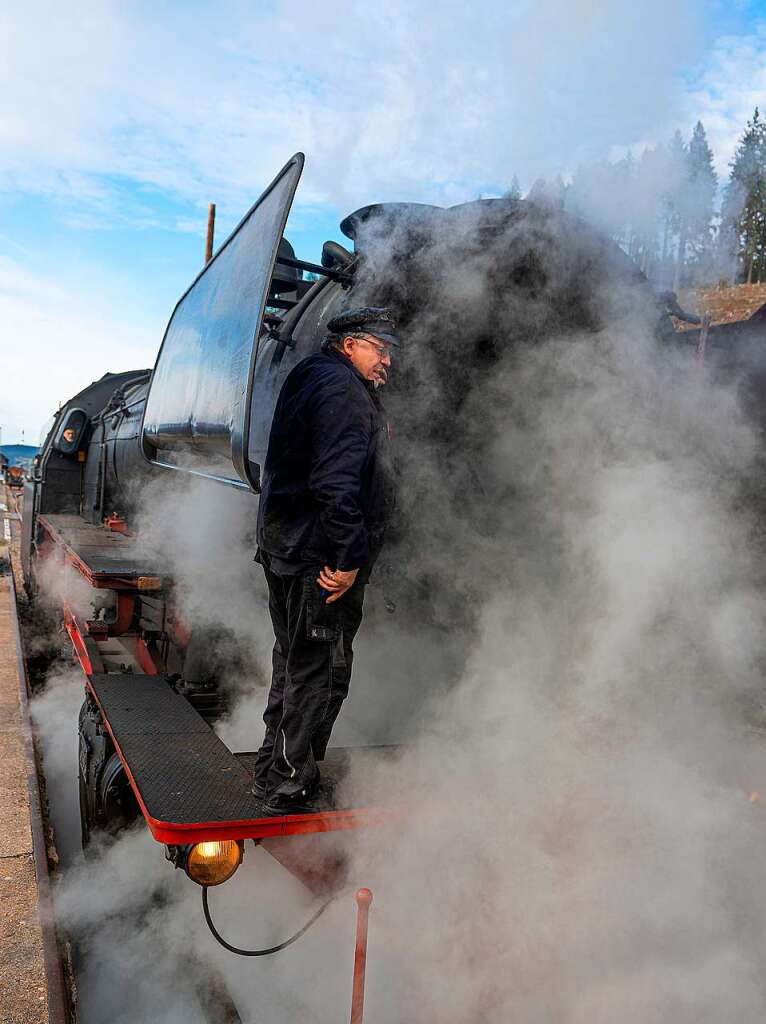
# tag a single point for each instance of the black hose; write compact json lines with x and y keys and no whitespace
{"x":271,"y":949}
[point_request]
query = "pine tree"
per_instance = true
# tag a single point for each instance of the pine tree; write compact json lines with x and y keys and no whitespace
{"x":658,"y":207}
{"x":625,"y":183}
{"x":743,"y":217}
{"x":646,"y":207}
{"x":539,"y":190}
{"x":672,"y":159}
{"x":697,"y":198}
{"x":675,"y":201}
{"x":514,"y":192}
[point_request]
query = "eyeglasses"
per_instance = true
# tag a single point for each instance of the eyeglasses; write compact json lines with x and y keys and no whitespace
{"x":383,"y":349}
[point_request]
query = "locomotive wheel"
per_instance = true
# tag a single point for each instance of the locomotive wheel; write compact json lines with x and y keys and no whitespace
{"x":117,"y":803}
{"x":107,"y":803}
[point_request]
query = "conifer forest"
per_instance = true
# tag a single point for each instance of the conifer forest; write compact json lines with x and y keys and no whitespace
{"x":667,"y":208}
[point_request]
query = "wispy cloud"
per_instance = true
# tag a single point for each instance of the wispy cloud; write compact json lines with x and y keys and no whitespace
{"x":728,"y":87}
{"x":55,"y":341}
{"x":108,"y":111}
{"x":399,"y":100}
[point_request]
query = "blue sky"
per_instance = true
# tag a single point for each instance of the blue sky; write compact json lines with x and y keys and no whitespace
{"x":120,"y":122}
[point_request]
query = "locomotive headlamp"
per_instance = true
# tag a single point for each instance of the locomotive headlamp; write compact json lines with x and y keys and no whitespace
{"x":213,"y":863}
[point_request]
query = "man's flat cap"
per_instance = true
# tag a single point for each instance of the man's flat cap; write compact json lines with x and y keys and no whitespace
{"x":375,"y":320}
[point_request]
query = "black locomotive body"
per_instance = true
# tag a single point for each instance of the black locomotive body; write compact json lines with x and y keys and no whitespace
{"x":453,"y":275}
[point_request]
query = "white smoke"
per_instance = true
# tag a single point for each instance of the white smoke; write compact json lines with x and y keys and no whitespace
{"x":585,"y":786}
{"x":388,"y":102}
{"x":588,"y":847}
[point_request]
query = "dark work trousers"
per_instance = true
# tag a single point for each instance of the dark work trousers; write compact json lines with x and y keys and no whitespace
{"x":312,"y":660}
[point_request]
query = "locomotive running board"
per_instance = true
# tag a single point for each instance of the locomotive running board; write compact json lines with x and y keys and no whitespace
{"x":192,"y":788}
{"x":104,"y":558}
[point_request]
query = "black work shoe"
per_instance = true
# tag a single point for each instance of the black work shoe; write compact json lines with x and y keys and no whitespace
{"x":279,"y":805}
{"x":258,"y":790}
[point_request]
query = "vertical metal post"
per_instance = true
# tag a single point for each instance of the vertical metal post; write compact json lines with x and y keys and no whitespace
{"x":210,"y":232}
{"x":703,"y":339}
{"x":363,"y":901}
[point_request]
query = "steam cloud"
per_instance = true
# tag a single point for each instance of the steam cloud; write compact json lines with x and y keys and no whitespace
{"x":589,"y":840}
{"x":575,"y":660}
{"x":596,"y":855}
{"x":581,"y":687}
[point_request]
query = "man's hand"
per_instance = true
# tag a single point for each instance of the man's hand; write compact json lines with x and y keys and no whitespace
{"x":336,"y":581}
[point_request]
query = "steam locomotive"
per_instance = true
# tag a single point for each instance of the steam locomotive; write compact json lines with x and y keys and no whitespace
{"x":469,"y":283}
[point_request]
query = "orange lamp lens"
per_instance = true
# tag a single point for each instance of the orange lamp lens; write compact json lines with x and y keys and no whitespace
{"x":213,"y":863}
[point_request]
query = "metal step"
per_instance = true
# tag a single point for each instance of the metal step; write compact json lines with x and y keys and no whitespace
{"x":192,"y":788}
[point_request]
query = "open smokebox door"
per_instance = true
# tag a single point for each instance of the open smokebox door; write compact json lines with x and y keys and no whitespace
{"x":198,"y":411}
{"x":192,"y":789}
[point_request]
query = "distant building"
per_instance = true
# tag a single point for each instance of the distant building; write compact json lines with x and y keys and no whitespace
{"x":19,"y":454}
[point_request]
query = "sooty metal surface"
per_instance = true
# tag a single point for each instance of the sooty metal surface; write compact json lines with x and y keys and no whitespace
{"x":145,"y":705}
{"x":103,"y":552}
{"x":184,"y":773}
{"x":193,"y":787}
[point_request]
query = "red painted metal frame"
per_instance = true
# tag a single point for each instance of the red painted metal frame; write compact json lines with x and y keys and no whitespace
{"x":181,"y":834}
{"x":263,"y":828}
{"x":87,"y":651}
{"x":144,"y":658}
{"x":116,"y":524}
{"x":77,"y":636}
{"x":126,"y":604}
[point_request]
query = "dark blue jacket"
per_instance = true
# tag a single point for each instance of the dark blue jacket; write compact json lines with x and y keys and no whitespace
{"x":325,"y":482}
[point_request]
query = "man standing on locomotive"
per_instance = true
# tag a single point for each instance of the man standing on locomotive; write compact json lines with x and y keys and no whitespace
{"x":321,"y":517}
